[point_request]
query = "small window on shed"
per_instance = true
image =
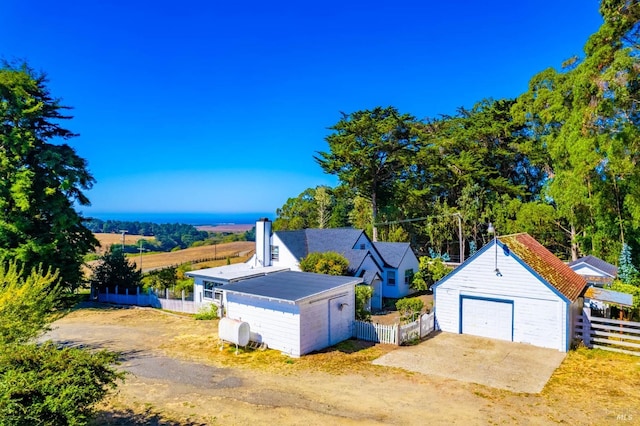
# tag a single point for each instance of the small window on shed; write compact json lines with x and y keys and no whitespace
{"x":275,"y":253}
{"x":391,"y":277}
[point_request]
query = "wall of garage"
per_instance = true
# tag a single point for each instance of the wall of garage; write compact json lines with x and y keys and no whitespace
{"x":513,"y":305}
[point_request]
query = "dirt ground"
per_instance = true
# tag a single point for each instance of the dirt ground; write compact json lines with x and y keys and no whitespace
{"x":177,"y":375}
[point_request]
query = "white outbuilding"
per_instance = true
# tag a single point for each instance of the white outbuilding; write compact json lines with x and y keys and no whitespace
{"x":512,"y":289}
{"x":294,"y":312}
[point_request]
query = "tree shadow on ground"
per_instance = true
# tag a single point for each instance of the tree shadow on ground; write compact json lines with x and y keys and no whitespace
{"x":128,"y":417}
{"x":348,"y":346}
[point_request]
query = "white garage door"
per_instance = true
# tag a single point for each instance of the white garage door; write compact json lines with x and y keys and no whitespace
{"x":487,"y":318}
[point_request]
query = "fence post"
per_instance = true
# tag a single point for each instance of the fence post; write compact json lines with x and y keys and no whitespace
{"x":166,"y":293}
{"x":182,"y":300}
{"x":586,"y":328}
{"x":398,"y":333}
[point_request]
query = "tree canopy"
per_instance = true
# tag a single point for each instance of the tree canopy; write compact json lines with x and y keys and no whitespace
{"x":559,"y":162}
{"x":41,"y":179}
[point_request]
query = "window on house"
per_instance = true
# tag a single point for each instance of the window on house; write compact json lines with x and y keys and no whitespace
{"x":209,"y":287}
{"x":391,"y":277}
{"x":275,"y":253}
{"x":408,"y":276}
{"x":362,"y":246}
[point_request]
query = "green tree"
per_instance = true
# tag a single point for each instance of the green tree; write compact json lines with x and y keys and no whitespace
{"x":41,"y":383}
{"x":40,"y":179}
{"x":363,"y":296}
{"x":409,"y":308}
{"x":430,"y":270}
{"x":587,"y":117}
{"x":330,"y":263}
{"x":370,"y":151}
{"x":27,"y":303}
{"x":627,"y":272}
{"x":114,"y":269}
{"x":300,"y":212}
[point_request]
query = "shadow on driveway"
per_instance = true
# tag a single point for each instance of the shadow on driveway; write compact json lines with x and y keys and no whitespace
{"x":504,"y":365}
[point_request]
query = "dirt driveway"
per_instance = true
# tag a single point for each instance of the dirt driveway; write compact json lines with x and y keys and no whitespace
{"x":503,"y":365}
{"x":178,"y":376}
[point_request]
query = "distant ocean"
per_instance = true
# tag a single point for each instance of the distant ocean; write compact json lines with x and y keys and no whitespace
{"x":196,"y":219}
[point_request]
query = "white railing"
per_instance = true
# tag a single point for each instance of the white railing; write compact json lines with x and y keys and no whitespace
{"x":395,"y":334}
{"x":608,"y":334}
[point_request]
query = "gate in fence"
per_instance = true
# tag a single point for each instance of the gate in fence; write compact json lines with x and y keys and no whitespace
{"x":608,"y":334}
{"x":395,"y":334}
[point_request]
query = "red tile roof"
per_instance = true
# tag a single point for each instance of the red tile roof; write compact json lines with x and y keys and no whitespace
{"x":546,"y":264}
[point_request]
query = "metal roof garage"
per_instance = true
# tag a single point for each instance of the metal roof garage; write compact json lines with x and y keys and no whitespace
{"x":294,"y":312}
{"x":513,"y":289}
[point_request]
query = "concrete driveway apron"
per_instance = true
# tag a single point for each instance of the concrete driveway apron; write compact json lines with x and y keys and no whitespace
{"x":505,"y":365}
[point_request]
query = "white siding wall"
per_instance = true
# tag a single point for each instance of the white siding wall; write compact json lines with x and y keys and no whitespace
{"x":585,"y":269}
{"x":323,"y":323}
{"x":540,"y":315}
{"x":277,"y":323}
{"x":286,"y":258}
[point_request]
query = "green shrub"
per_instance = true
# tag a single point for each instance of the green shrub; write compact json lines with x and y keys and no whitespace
{"x":409,"y":308}
{"x":363,"y":295}
{"x":207,"y":313}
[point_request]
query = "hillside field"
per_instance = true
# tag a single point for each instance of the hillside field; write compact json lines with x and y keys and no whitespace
{"x":150,"y":261}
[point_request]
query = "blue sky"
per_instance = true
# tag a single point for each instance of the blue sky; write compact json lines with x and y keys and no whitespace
{"x":211,"y":106}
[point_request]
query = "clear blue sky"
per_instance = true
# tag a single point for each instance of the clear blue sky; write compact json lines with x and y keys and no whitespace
{"x":212,"y":106}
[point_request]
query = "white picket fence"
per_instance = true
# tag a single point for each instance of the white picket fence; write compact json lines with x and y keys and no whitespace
{"x":608,"y":334}
{"x":395,"y":334}
{"x":148,"y":298}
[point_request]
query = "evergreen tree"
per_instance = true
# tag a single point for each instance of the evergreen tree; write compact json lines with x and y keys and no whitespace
{"x":114,"y":269}
{"x":40,"y":180}
{"x":627,"y":273}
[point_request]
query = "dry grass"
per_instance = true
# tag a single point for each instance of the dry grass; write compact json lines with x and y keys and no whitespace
{"x":607,"y":378}
{"x":590,"y":386}
{"x":107,"y":240}
{"x":195,"y":254}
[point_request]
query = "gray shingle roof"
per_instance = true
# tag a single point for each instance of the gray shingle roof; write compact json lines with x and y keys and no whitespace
{"x":392,"y":253}
{"x":340,"y":240}
{"x":291,"y":286}
{"x":597,"y":263}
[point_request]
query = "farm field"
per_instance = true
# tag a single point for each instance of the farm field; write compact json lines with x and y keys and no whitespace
{"x":160,"y":260}
{"x":337,"y":386}
{"x":108,"y":239}
{"x":243,"y":249}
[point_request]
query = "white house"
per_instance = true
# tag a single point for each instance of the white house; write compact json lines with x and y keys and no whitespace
{"x":596,"y":271}
{"x":512,"y":289}
{"x":387,"y":267}
{"x":294,"y":312}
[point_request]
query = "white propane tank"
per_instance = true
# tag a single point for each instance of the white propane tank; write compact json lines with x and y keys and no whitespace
{"x":234,"y":331}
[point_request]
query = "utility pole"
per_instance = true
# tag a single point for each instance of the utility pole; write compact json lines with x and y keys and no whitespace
{"x":123,"y":232}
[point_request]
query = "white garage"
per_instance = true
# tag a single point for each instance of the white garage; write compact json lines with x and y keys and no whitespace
{"x":513,"y":289}
{"x":294,"y":312}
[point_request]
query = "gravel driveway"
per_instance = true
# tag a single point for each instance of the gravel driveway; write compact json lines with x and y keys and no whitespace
{"x":505,"y":365}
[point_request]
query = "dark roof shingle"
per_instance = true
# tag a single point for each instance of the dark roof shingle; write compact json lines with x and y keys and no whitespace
{"x":597,"y":263}
{"x":289,"y":285}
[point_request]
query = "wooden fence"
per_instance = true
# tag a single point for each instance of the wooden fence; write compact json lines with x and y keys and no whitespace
{"x":149,"y":298}
{"x":395,"y":334}
{"x":608,"y":334}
